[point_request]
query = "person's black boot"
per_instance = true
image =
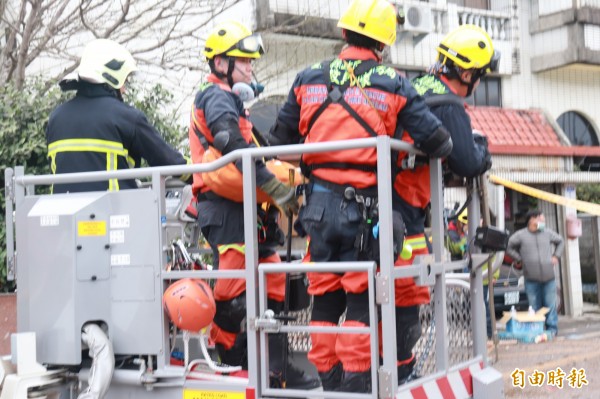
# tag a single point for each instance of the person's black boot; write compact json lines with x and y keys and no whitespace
{"x":359,"y":382}
{"x":295,"y":378}
{"x":332,"y":379}
{"x":405,"y":372}
{"x":237,"y":355}
{"x":298,"y":379}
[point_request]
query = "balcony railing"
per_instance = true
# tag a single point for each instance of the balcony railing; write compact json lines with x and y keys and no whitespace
{"x":497,"y":24}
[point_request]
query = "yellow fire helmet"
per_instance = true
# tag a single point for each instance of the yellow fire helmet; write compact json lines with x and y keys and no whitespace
{"x":106,"y":61}
{"x":233,"y":39}
{"x":469,"y":47}
{"x":376,"y":19}
{"x":464,"y":217}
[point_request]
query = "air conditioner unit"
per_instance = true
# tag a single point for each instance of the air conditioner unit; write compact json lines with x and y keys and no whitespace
{"x":418,"y":19}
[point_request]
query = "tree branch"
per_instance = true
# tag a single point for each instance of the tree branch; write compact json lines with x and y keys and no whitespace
{"x":26,"y":41}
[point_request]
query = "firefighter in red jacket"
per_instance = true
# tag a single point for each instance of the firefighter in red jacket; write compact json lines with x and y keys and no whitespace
{"x":219,"y":119}
{"x":350,"y":97}
{"x":465,"y":55}
{"x":96,"y":130}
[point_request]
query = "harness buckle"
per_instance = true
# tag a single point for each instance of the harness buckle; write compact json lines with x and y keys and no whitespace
{"x":409,"y":162}
{"x":336,"y":95}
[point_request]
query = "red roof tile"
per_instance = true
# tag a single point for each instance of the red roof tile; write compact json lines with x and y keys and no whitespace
{"x":522,"y":131}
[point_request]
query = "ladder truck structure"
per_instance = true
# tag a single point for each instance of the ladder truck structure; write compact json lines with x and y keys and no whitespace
{"x":91,"y":269}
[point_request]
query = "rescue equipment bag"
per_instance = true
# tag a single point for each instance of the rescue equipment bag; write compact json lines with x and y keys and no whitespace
{"x":227,"y":181}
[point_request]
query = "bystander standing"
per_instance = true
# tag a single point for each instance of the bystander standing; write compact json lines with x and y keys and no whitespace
{"x":537,"y":250}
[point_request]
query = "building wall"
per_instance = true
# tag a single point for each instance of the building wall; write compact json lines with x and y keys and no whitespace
{"x":572,"y":88}
{"x":556,"y":91}
{"x":287,"y":53}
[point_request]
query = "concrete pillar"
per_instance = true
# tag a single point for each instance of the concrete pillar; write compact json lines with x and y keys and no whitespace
{"x":570,"y":264}
{"x":596,"y":242}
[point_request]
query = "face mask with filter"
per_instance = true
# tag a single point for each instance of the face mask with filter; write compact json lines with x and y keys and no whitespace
{"x":248,"y":92}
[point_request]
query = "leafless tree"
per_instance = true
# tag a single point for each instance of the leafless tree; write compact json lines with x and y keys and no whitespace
{"x":47,"y":35}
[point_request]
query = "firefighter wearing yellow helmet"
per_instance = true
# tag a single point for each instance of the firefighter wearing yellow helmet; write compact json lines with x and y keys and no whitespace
{"x":464,"y":56}
{"x":467,"y":54}
{"x":220,"y":121}
{"x":374,"y":19}
{"x":327,"y":103}
{"x":229,"y":41}
{"x":96,"y":130}
{"x":456,"y":239}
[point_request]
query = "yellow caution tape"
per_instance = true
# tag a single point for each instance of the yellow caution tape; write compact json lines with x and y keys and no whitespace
{"x":587,"y":207}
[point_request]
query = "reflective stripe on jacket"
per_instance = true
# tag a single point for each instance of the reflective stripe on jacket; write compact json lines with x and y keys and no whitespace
{"x":95,"y":131}
{"x":408,"y":293}
{"x":112,"y":150}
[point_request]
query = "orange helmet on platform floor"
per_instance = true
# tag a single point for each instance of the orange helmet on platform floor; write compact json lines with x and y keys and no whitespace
{"x":190,"y":304}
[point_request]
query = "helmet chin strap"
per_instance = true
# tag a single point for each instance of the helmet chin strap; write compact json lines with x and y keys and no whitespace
{"x":471,"y":83}
{"x":470,"y":88}
{"x":118,"y":94}
{"x":230,"y":68}
{"x":229,"y":74}
{"x":475,"y":76}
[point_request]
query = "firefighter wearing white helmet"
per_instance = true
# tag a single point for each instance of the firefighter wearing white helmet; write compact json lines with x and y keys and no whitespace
{"x":332,"y":222}
{"x":106,"y":61}
{"x":96,"y":130}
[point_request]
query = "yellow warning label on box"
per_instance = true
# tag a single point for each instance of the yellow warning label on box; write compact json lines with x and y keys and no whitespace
{"x":91,"y":228}
{"x":196,"y":394}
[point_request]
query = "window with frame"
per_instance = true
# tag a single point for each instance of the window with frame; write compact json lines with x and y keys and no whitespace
{"x":580,"y":132}
{"x":578,"y":129}
{"x":488,"y":93}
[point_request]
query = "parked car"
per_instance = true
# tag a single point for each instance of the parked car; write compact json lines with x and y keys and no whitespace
{"x":509,"y":291}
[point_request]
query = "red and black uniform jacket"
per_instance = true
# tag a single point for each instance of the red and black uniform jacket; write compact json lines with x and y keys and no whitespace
{"x":467,"y":159}
{"x":214,"y":104}
{"x":392,"y":106}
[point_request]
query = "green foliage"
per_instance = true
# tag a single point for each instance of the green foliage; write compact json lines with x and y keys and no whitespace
{"x":23,"y":118}
{"x":155,"y":102}
{"x":589,"y":192}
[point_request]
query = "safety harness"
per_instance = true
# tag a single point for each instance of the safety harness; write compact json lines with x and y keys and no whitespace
{"x":367,"y":238}
{"x":335,"y":95}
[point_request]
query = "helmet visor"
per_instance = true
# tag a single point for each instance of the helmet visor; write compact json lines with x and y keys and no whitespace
{"x":250,"y":44}
{"x":491,"y":67}
{"x":494,"y":62}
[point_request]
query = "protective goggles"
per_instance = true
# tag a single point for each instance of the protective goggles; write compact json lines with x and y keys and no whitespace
{"x":491,"y":67}
{"x":494,"y":63}
{"x":250,"y":44}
